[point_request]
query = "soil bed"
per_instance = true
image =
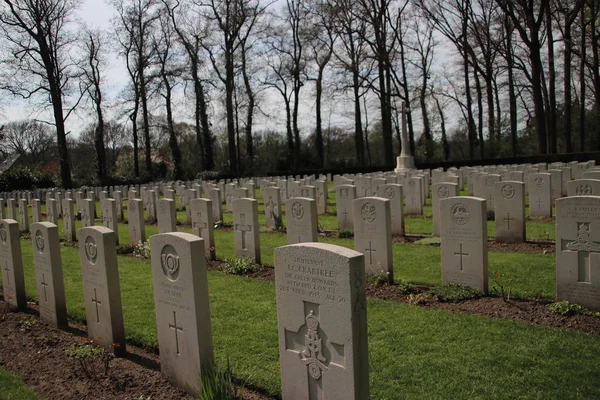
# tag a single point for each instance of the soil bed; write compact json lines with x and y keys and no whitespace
{"x":35,"y":352}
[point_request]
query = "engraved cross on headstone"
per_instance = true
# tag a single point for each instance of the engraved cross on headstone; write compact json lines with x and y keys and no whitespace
{"x":176,"y":329}
{"x":539,"y":203}
{"x":315,"y":350}
{"x":243,"y":228}
{"x":345,"y":213}
{"x":583,"y":245}
{"x":45,"y":285}
{"x":508,"y":219}
{"x":7,"y":272}
{"x":370,"y":250}
{"x":96,"y":302}
{"x":461,"y":254}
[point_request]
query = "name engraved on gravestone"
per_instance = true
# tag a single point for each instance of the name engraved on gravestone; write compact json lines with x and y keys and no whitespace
{"x":321,"y":312}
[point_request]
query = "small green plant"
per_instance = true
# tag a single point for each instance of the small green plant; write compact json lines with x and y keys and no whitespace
{"x":239,"y":266}
{"x":218,"y":224}
{"x":92,"y":357}
{"x":345,"y":234}
{"x":500,"y":286}
{"x":278,"y":221}
{"x":379,"y":279}
{"x":217,"y":384}
{"x":405,"y":287}
{"x":26,"y":325}
{"x":567,"y":309}
{"x":453,"y":293}
{"x":49,"y":340}
{"x":142,"y":250}
{"x":417,"y":299}
{"x":430,"y":241}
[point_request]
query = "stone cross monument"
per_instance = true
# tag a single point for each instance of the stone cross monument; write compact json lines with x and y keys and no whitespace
{"x":405,"y":161}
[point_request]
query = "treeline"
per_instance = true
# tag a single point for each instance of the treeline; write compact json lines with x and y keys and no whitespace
{"x":479,"y":78}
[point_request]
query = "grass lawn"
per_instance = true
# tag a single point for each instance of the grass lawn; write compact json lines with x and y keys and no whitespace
{"x":12,"y":388}
{"x":414,"y":351}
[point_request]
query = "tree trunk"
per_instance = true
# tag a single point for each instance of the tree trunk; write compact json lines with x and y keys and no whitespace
{"x":358,"y":131}
{"x":146,"y":123}
{"x":551,"y":111}
{"x":229,"y":77}
{"x":249,"y":113}
{"x":479,"y":113}
{"x":568,"y":118}
{"x":199,"y":109}
{"x":319,"y":128}
{"x":512,"y":96}
{"x":429,"y":146}
{"x":582,"y":83}
{"x":173,"y":145}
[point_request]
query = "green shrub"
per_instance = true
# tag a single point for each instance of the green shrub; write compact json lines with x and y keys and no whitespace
{"x":345,"y":234}
{"x":25,"y":178}
{"x":239,"y":266}
{"x":208,"y":175}
{"x":92,"y":357}
{"x":429,"y":241}
{"x":142,"y":250}
{"x":278,"y":221}
{"x":380,"y":278}
{"x":567,"y":309}
{"x":454,"y":293}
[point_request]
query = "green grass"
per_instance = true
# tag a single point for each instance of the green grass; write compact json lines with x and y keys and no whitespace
{"x":417,"y":352}
{"x":414,"y":351}
{"x":12,"y":388}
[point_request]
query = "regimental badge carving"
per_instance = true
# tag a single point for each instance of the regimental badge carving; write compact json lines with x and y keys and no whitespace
{"x":459,"y":213}
{"x":412,"y":183}
{"x":312,"y":355}
{"x":170,"y":263}
{"x":389,"y":192}
{"x":39,"y":241}
{"x":489,"y":181}
{"x":584,"y":241}
{"x":3,"y":233}
{"x":539,"y":181}
{"x":368,"y":212}
{"x":584,"y":190}
{"x":297,"y":211}
{"x":507,"y":191}
{"x":443,"y":192}
{"x":91,"y":249}
{"x":344,"y":193}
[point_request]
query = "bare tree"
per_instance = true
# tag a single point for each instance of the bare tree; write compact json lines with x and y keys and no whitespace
{"x":134,"y":24}
{"x":169,"y":70}
{"x":37,"y":43}
{"x":93,"y":43}
{"x":30,"y":139}
{"x":234,"y":21}
{"x":188,"y":24}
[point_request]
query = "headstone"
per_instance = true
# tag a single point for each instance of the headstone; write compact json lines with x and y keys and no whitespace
{"x":150,"y":201}
{"x":307,"y":191}
{"x":101,"y":288}
{"x":51,"y":211}
{"x":583,"y":187}
{"x":272,"y":201}
{"x":577,"y":250}
{"x":301,"y":220}
{"x":241,"y":193}
{"x":118,"y":196}
{"x":394,"y":193}
{"x":540,"y":191}
{"x":414,"y":196}
{"x":13,"y":278}
{"x":23,"y":215}
{"x":441,"y":191}
{"x":556,"y":184}
{"x":11,"y":206}
{"x":245,"y":225}
{"x":510,"y":212}
{"x":344,"y":196}
{"x":109,"y":216}
{"x":137,"y":225}
{"x":167,"y":216}
{"x":36,"y":210}
{"x":463,"y":232}
{"x":69,"y":220}
{"x":48,"y":274}
{"x":321,"y":187}
{"x":487,"y":192}
{"x":217,"y":208}
{"x":203,"y":224}
{"x":373,"y":234}
{"x":322,"y":322}
{"x":182,"y":308}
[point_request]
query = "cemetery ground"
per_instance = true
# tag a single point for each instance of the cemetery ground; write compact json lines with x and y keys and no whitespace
{"x":419,"y":347}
